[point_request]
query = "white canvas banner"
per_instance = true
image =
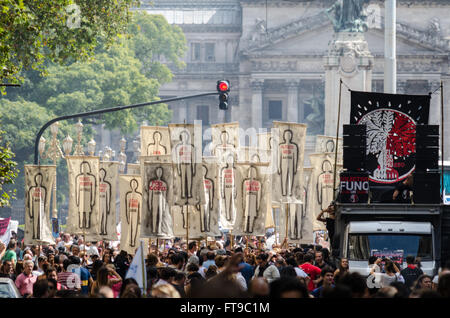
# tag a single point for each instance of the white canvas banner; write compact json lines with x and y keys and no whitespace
{"x":287,"y":179}
{"x":187,"y":164}
{"x":320,"y":190}
{"x":108,"y":179}
{"x":209,"y":212}
{"x":227,"y":190}
{"x":157,"y":197}
{"x":39,"y":182}
{"x":130,"y":188}
{"x":252,"y":203}
{"x":328,"y":144}
{"x":224,"y":136}
{"x":299,"y":217}
{"x":184,"y":216}
{"x":84,"y":196}
{"x":155,"y":141}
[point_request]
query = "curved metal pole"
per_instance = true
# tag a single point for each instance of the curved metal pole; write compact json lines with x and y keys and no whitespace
{"x":105,"y":110}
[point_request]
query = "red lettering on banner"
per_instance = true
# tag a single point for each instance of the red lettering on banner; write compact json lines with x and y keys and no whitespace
{"x":103,"y":187}
{"x":157,"y":185}
{"x":134,"y":203}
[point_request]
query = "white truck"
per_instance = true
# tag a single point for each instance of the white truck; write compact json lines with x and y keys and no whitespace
{"x":394,"y":231}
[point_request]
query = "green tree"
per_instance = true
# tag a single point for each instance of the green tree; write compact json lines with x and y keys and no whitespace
{"x":154,"y":40}
{"x":59,"y":30}
{"x":8,"y":173}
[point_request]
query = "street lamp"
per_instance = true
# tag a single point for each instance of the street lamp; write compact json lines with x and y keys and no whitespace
{"x":91,"y":147}
{"x":54,"y":153}
{"x":78,"y":148}
{"x":122,"y":156}
{"x":137,"y":148}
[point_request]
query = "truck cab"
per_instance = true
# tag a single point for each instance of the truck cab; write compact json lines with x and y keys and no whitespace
{"x":388,"y":230}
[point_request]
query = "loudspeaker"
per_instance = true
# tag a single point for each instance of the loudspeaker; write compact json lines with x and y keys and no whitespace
{"x":427,"y":147}
{"x":354,"y":130}
{"x":426,"y":188}
{"x":354,"y":147}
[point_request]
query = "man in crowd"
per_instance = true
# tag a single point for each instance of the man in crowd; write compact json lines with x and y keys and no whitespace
{"x":26,"y":279}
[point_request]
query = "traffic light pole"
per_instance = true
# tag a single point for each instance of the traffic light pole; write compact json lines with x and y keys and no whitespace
{"x":106,"y":110}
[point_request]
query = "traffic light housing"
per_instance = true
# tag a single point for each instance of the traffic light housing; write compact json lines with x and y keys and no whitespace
{"x":223,"y":87}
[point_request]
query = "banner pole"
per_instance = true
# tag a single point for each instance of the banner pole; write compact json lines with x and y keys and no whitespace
{"x":337,"y":140}
{"x":442,"y":140}
{"x":187,"y":227}
{"x":143,"y":271}
{"x":286,"y":225}
{"x":231,"y":240}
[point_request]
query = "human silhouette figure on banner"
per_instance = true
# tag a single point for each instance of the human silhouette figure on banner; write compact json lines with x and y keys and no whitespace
{"x":86,"y":185}
{"x":252,"y":199}
{"x":287,"y":162}
{"x":205,"y":209}
{"x":225,"y":141}
{"x":105,"y":202}
{"x":37,"y":195}
{"x":133,"y":200}
{"x":329,"y":146}
{"x":156,"y":148}
{"x":184,"y":152}
{"x":325,"y":185}
{"x":228,"y":187}
{"x":157,"y":201}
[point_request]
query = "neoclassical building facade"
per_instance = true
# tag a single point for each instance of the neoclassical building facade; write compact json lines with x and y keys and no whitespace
{"x":274,"y":53}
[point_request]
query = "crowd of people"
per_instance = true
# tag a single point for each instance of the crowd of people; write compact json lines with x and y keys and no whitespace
{"x":74,"y":268}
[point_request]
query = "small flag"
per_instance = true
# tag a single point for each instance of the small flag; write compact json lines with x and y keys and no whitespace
{"x":137,"y":269}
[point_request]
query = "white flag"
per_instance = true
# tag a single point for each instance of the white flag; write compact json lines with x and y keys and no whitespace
{"x":137,"y":269}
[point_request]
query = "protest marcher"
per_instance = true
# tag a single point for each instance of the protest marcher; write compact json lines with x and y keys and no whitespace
{"x":327,"y":275}
{"x":342,"y":268}
{"x":312,"y":271}
{"x":7,"y":270}
{"x":423,"y":282}
{"x":270,"y":272}
{"x":10,"y":253}
{"x":25,"y":280}
{"x":392,"y":273}
{"x":411,"y":273}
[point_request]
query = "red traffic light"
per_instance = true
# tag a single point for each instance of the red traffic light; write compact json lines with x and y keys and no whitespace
{"x":223,"y":86}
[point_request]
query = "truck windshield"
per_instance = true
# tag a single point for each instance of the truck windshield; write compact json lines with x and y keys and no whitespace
{"x":362,"y":246}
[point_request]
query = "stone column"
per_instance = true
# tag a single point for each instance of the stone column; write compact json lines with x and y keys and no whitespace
{"x":292,"y":102}
{"x":446,"y":82}
{"x":401,"y":87}
{"x":257,"y":103}
{"x":348,"y":59}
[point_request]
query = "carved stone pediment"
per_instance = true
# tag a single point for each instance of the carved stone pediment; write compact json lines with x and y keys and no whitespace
{"x":261,"y":39}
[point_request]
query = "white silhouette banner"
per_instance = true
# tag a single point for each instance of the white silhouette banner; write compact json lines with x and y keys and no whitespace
{"x":130,"y":188}
{"x":320,"y":189}
{"x":209,"y":212}
{"x":155,"y":141}
{"x":299,"y":217}
{"x":288,"y":161}
{"x":157,"y":197}
{"x":84,"y":196}
{"x":39,"y":182}
{"x":328,"y":144}
{"x":108,"y":179}
{"x":187,"y":164}
{"x":252,"y":200}
{"x":224,"y":136}
{"x":180,"y":215}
